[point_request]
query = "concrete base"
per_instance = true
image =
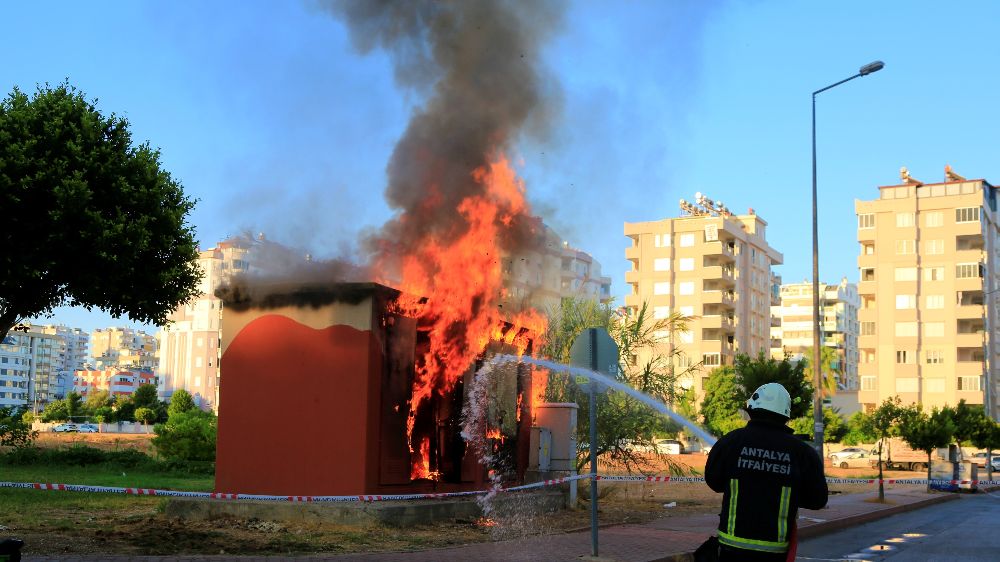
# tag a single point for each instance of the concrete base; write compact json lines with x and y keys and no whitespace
{"x":391,"y":513}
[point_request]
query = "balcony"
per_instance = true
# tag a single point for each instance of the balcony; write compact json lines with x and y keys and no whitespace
{"x":968,"y":368}
{"x":723,"y":298}
{"x":969,"y":284}
{"x":725,"y":274}
{"x":721,"y":249}
{"x":969,"y":340}
{"x":718,"y":322}
{"x":632,"y":276}
{"x":632,"y":253}
{"x":722,"y":347}
{"x":969,"y":311}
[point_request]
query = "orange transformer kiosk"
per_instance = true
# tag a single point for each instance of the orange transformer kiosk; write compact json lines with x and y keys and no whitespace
{"x":314,"y":387}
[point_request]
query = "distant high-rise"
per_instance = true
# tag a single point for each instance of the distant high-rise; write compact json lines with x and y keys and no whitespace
{"x":113,"y":348}
{"x":29,"y":369}
{"x":839,"y":304}
{"x":929,"y":288}
{"x":712,"y":266}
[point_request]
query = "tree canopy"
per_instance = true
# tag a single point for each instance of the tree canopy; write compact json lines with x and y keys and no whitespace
{"x":180,"y":401}
{"x":724,"y":398}
{"x":925,"y":432}
{"x":751,"y":372}
{"x":90,"y":219}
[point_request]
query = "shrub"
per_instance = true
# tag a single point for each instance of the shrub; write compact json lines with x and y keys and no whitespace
{"x":187,"y":436}
{"x":14,"y":432}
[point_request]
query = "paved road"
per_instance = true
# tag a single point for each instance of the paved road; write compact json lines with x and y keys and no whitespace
{"x":949,"y":531}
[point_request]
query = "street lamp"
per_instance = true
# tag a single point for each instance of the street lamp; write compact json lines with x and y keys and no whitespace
{"x":817,"y":367}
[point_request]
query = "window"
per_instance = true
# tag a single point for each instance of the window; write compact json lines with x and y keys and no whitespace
{"x":867,"y":328}
{"x":661,"y":288}
{"x":967,"y":214}
{"x":687,"y":264}
{"x":907,"y":384}
{"x":711,"y":359}
{"x":197,"y":362}
{"x":934,"y":329}
{"x":967,"y":270}
{"x":661,"y":264}
{"x":906,"y":329}
{"x":686,"y":337}
{"x":200,"y":342}
{"x":868,"y":274}
{"x":687,"y":310}
{"x":661,"y":240}
{"x":904,"y":219}
{"x":866,"y":220}
{"x":934,"y":247}
{"x":687,"y":240}
{"x":686,"y":288}
{"x":904,"y":356}
{"x":934,"y":274}
{"x":867,"y":249}
{"x":934,"y":357}
{"x":934,"y":219}
{"x":906,"y":274}
{"x":905,"y":247}
{"x":968,"y":383}
{"x":661,"y":335}
{"x":661,"y":312}
{"x":905,"y":301}
{"x":935,"y":301}
{"x":935,"y":385}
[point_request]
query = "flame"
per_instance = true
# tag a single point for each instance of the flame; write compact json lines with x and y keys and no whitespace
{"x":520,"y":399}
{"x":494,"y":434}
{"x":422,"y":465}
{"x":453,"y":285}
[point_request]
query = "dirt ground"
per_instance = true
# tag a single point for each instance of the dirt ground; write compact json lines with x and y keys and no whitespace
{"x":106,"y":441}
{"x":142,"y":529}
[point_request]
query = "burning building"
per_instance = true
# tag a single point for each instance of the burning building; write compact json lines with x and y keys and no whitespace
{"x":319,"y":393}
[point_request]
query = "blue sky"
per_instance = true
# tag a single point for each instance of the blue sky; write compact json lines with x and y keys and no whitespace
{"x":269,"y":117}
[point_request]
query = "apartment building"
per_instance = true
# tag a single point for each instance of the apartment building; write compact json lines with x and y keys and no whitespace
{"x":113,"y":348}
{"x":29,"y":368}
{"x":929,"y":280}
{"x":15,"y":369}
{"x":189,"y":344}
{"x":118,"y":382}
{"x":713,"y":266}
{"x":541,"y":279}
{"x":839,"y":325}
{"x":73,"y":355}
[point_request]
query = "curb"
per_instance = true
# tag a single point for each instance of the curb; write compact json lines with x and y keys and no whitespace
{"x":826,"y":527}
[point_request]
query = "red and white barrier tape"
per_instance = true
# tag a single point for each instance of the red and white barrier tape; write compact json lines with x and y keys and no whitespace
{"x":391,"y":497}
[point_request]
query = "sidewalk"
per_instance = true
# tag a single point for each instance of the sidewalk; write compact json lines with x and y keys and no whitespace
{"x":665,"y":540}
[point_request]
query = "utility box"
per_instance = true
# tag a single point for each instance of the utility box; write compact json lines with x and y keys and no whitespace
{"x":560,"y":419}
{"x":954,"y":476}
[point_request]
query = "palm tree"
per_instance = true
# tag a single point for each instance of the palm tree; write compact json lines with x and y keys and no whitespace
{"x":831,"y":367}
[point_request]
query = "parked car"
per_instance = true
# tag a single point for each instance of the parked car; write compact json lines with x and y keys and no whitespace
{"x":995,"y":461}
{"x":65,"y":427}
{"x":88,"y":428}
{"x":979,"y":459}
{"x":845,"y":453}
{"x":854,"y":460}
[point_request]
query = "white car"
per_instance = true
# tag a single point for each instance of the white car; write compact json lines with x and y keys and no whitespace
{"x":853,"y":460}
{"x":843,"y":453}
{"x":63,"y":427}
{"x":669,"y":447}
{"x":88,"y":428}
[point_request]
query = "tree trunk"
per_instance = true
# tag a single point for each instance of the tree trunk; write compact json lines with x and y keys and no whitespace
{"x":8,"y":319}
{"x":929,"y":471}
{"x":881,"y":487}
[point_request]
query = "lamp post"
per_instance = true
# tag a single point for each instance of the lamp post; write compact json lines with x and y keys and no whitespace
{"x":817,"y":367}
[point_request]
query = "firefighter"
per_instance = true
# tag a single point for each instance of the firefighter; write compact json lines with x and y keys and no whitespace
{"x":764,"y":473}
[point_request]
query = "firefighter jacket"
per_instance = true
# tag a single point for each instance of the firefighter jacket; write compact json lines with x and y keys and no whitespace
{"x":765,"y":474}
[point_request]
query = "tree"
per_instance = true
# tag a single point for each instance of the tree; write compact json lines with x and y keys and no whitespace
{"x":55,"y":412}
{"x":187,"y":436}
{"x":751,"y":372}
{"x":830,"y":367}
{"x":859,"y":429}
{"x":925,"y":432}
{"x":834,"y":426}
{"x":74,"y":405}
{"x":98,"y":399}
{"x":724,"y":398}
{"x":987,"y":436}
{"x":625,"y":426}
{"x":966,"y":419}
{"x":145,"y":397}
{"x":14,"y":431}
{"x":883,"y":419}
{"x":144,"y":415}
{"x":92,"y":216}
{"x":180,"y":401}
{"x":124,"y":409}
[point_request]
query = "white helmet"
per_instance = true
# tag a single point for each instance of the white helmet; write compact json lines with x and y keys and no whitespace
{"x":773,"y":397}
